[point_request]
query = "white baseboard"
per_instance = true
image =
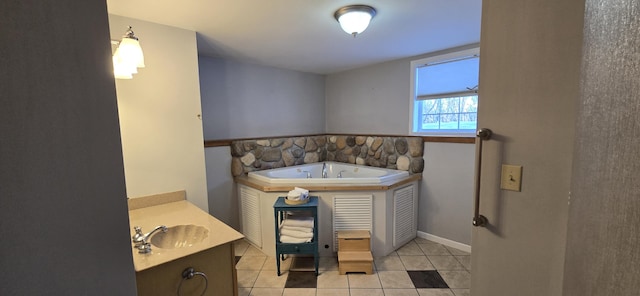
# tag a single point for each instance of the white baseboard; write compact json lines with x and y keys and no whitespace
{"x":444,"y":241}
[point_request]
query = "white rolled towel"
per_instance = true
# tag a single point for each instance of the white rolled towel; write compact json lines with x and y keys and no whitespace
{"x":295,"y":233}
{"x":297,"y":228}
{"x":293,"y":240}
{"x":298,"y":222}
{"x":301,"y":190}
{"x":297,"y":194}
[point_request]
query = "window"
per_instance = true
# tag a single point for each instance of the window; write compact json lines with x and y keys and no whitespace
{"x":444,"y":99}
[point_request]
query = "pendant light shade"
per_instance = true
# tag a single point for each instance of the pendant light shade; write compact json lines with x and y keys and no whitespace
{"x":128,"y":57}
{"x":354,"y":19}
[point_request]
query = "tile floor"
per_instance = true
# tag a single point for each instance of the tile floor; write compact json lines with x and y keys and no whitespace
{"x":419,"y":268}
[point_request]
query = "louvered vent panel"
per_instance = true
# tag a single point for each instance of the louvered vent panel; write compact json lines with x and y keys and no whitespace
{"x":353,"y":212}
{"x":250,"y":203}
{"x":403,"y":212}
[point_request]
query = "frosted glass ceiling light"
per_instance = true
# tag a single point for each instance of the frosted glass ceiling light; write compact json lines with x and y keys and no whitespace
{"x":128,"y":57}
{"x":354,"y":19}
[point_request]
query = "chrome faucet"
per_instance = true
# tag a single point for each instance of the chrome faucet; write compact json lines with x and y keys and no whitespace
{"x":308,"y":174}
{"x":140,"y":240}
{"x":324,"y":170}
{"x":340,"y":173}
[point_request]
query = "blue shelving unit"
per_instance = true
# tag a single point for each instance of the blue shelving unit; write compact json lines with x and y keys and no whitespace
{"x":280,"y":208}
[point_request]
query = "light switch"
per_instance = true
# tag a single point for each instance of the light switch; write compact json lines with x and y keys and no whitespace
{"x":511,"y":177}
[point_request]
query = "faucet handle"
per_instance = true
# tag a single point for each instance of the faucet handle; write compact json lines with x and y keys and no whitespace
{"x":138,"y":237}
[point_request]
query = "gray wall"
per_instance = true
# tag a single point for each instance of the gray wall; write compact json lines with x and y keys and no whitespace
{"x":602,"y":256}
{"x":223,"y":203}
{"x":529,"y":76}
{"x":446,"y":191}
{"x":241,"y":100}
{"x":375,"y":100}
{"x":63,"y":207}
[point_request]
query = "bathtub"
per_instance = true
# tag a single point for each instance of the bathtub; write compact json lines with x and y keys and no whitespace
{"x":337,"y":173}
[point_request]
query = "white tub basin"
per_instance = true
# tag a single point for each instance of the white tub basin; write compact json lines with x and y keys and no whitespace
{"x":337,"y":173}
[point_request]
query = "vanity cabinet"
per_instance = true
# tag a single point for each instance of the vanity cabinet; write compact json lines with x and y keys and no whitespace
{"x":211,"y":251}
{"x":217,"y":263}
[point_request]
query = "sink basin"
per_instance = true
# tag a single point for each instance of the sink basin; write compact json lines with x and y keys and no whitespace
{"x":179,"y":236}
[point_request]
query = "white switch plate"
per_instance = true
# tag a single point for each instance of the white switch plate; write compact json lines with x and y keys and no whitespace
{"x":511,"y":177}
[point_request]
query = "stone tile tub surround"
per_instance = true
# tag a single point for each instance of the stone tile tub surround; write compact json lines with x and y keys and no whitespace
{"x":392,"y":152}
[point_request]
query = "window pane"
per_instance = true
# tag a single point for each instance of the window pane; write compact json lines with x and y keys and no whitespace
{"x":431,"y":107}
{"x":449,"y":114}
{"x":445,"y":101}
{"x":431,"y":122}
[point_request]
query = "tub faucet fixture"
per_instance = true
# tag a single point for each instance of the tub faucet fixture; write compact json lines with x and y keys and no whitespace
{"x":324,"y":170}
{"x":340,"y":173}
{"x":140,"y":240}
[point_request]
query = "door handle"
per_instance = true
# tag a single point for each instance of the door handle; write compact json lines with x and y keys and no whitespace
{"x":482,"y":134}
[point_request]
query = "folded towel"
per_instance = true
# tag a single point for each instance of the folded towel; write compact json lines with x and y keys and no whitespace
{"x":298,"y":194}
{"x":295,"y":233}
{"x":297,"y":228}
{"x":298,"y":222}
{"x":293,"y":240}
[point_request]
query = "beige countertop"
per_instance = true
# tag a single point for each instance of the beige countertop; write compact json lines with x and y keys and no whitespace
{"x":171,"y":214}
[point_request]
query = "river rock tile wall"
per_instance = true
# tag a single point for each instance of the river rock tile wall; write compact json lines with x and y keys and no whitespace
{"x":400,"y":153}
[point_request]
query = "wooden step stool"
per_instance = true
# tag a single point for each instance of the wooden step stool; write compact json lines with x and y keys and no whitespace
{"x":354,"y":251}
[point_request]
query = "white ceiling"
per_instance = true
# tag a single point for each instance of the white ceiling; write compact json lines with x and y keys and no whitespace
{"x":302,"y":35}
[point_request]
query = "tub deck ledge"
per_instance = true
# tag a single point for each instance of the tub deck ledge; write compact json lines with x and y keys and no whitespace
{"x":267,"y":187}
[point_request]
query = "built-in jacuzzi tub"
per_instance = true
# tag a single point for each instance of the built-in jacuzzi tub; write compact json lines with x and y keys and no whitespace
{"x":337,"y":173}
{"x":383,"y":201}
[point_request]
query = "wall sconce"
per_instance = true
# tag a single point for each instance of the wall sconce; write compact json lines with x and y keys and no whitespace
{"x":354,"y":19}
{"x":128,"y":57}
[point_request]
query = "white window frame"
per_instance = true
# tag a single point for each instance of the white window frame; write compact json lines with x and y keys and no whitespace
{"x":413,"y":119}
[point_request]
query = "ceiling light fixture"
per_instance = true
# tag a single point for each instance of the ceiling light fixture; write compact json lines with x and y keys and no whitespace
{"x":354,"y":19}
{"x":128,"y":57}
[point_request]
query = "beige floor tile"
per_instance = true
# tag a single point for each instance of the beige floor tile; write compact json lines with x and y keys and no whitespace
{"x":253,"y":251}
{"x":395,"y":280}
{"x":420,"y":240}
{"x":461,"y":292}
{"x":364,"y":281}
{"x":411,"y":248}
{"x":445,"y":263}
{"x":244,"y":291}
{"x":435,"y":292}
{"x":240,"y":247}
{"x":457,"y":252}
{"x":416,"y":263}
{"x":269,"y":279}
{"x":251,"y":262}
{"x":434,"y":249}
{"x":266,"y":292}
{"x":391,"y":262}
{"x":299,"y":292}
{"x":400,"y":292}
{"x":270,"y":264}
{"x":246,"y":278}
{"x":328,"y":263}
{"x":332,"y":279}
{"x":332,"y":292}
{"x":366,"y":292}
{"x":456,"y":279}
{"x":465,"y":261}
